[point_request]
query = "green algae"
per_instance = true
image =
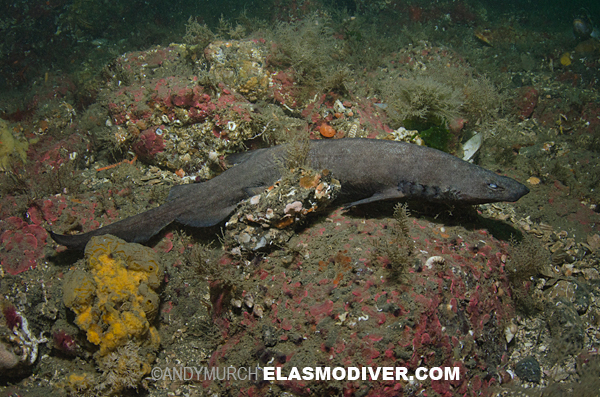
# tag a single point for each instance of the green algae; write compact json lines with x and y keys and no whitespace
{"x":434,"y":134}
{"x":436,"y":137}
{"x":11,"y":148}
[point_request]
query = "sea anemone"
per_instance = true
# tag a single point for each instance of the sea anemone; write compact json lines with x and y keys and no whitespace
{"x":65,"y":343}
{"x":13,"y":319}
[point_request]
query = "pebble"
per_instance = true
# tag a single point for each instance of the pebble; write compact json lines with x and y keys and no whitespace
{"x":269,"y":336}
{"x":528,"y":369}
{"x":565,"y":324}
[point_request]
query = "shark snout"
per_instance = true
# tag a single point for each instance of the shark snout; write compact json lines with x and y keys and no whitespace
{"x":514,"y":190}
{"x":521,"y":191}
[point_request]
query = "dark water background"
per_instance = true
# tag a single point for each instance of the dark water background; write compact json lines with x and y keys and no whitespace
{"x":38,"y":35}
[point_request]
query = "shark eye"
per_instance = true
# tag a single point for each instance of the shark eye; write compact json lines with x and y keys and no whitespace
{"x":493,"y":186}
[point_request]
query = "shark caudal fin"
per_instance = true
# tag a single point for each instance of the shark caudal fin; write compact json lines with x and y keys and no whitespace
{"x":135,"y":229}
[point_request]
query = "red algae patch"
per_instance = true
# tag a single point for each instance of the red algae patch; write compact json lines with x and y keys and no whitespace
{"x":345,"y":307}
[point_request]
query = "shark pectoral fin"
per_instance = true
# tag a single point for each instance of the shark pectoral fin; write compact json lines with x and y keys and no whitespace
{"x":389,"y":194}
{"x":205,"y":217}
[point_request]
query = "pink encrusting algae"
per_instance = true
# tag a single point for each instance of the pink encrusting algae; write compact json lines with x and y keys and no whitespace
{"x":356,"y":315}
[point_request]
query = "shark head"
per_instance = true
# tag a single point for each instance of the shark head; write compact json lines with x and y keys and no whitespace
{"x":487,"y":187}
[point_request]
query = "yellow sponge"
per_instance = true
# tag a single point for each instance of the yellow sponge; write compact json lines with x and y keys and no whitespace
{"x":116,"y":299}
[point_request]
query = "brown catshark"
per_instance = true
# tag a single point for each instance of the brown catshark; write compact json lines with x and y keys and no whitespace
{"x":369,"y":170}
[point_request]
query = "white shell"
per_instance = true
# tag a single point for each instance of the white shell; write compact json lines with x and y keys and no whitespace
{"x":510,"y":332}
{"x":434,"y":260}
{"x":471,"y":147}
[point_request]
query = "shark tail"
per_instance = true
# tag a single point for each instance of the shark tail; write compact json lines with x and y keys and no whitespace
{"x":135,"y":229}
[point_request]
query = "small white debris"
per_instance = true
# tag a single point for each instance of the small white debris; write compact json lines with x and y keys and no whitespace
{"x":213,"y":156}
{"x":471,"y":147}
{"x":510,"y":331}
{"x":293,"y":208}
{"x":434,"y":260}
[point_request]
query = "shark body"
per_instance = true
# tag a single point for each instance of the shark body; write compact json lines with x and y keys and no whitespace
{"x":369,"y":170}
